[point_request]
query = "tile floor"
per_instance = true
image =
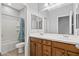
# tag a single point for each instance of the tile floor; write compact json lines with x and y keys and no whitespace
{"x":13,"y":53}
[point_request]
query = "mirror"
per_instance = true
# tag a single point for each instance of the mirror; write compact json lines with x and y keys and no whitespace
{"x":63,"y":25}
{"x":59,"y":20}
{"x":77,"y":20}
{"x":36,"y":22}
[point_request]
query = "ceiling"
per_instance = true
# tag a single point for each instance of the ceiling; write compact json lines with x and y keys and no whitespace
{"x":50,"y":6}
{"x":40,"y":6}
{"x":17,"y":6}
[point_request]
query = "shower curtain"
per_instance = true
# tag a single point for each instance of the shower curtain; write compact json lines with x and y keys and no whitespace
{"x":21,"y":32}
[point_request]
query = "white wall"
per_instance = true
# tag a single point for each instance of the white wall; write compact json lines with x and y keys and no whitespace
{"x":0,"y":27}
{"x":9,"y":33}
{"x":53,"y":14}
{"x":31,"y":8}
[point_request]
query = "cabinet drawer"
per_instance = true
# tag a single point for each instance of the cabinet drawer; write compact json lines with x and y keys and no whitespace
{"x":69,"y":47}
{"x":47,"y":42}
{"x":72,"y":54}
{"x":32,"y":49}
{"x":38,"y":49}
{"x":47,"y":50}
{"x":36,"y":40}
{"x":59,"y":52}
{"x":60,"y":45}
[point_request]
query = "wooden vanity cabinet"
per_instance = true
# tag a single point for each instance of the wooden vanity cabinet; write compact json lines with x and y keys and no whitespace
{"x":57,"y":49}
{"x":35,"y":47}
{"x":32,"y":48}
{"x":59,"y":52}
{"x":38,"y":49}
{"x":47,"y":48}
{"x":64,"y":49}
{"x":43,"y":47}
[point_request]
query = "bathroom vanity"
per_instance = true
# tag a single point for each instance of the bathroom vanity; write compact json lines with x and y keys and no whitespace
{"x":65,"y":24}
{"x":53,"y":45}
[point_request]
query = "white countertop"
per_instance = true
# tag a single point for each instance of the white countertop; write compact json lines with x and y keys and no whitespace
{"x":71,"y":39}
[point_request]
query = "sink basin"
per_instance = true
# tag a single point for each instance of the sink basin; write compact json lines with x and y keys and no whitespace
{"x":64,"y":37}
{"x":41,"y":33}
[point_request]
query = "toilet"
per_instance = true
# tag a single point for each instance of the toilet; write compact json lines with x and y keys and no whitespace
{"x":20,"y":47}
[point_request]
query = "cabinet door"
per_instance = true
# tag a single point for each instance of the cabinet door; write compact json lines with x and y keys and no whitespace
{"x":59,"y":52}
{"x":32,"y":49}
{"x":72,"y":54}
{"x":47,"y":50}
{"x":38,"y":49}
